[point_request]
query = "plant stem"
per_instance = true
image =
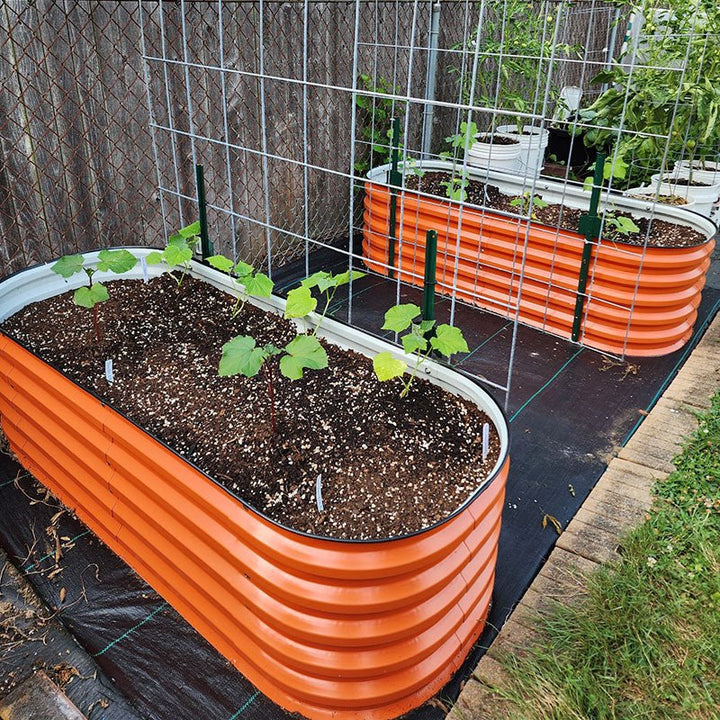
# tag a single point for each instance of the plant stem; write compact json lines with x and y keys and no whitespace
{"x":96,"y":324}
{"x":329,"y":299}
{"x":420,"y":359}
{"x":267,"y":367}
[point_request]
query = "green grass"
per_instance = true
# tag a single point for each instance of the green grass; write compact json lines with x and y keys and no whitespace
{"x":646,"y":642}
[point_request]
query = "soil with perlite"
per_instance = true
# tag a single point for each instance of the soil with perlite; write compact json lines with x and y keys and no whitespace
{"x":659,"y":233}
{"x":388,"y":465}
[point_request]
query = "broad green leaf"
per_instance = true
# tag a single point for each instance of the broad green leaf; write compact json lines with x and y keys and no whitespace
{"x":117,"y":261}
{"x":241,"y":356}
{"x":425,"y":326}
{"x":154,"y":258}
{"x":413,"y":342}
{"x":625,"y":225}
{"x":400,"y":317}
{"x":189,"y":231}
{"x":68,"y":265}
{"x":177,"y":255}
{"x":517,"y":202}
{"x":300,"y":302}
{"x":344,"y":278}
{"x":176,"y":239}
{"x":387,"y":367}
{"x":315,"y":279}
{"x":540,"y":203}
{"x":242,"y":269}
{"x":305,"y":351}
{"x":259,"y":285}
{"x":449,"y":340}
{"x":220,"y":262}
{"x":89,"y":297}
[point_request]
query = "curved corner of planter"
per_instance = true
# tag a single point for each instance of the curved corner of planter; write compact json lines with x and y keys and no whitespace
{"x":640,"y":301}
{"x":328,"y":629}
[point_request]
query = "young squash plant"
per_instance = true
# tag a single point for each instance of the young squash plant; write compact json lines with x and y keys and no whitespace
{"x":178,"y":252}
{"x":423,"y":337}
{"x":300,"y":301}
{"x":90,"y":296}
{"x":243,"y":356}
{"x":252,"y":283}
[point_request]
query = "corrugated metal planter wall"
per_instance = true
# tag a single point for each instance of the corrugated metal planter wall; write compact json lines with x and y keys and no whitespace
{"x":327,"y":628}
{"x":641,"y":301}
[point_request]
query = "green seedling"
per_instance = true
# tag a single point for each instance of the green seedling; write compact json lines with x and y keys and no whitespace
{"x":418,"y":342}
{"x":178,"y":252}
{"x":410,"y":164}
{"x":612,"y":170}
{"x":242,"y":356}
{"x":528,"y":203}
{"x":464,"y":140}
{"x":116,"y":261}
{"x":252,"y":283}
{"x":300,"y":301}
{"x":618,"y":226}
{"x":455,"y":188}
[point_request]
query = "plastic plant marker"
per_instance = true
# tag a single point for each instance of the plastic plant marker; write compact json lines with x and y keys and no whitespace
{"x":485,"y":440}
{"x":318,"y":493}
{"x":109,"y":371}
{"x":143,"y":267}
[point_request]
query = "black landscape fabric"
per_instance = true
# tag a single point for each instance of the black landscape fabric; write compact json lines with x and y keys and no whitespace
{"x":570,"y":410}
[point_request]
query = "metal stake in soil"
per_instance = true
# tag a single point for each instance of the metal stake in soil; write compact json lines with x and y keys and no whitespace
{"x":589,"y":226}
{"x":206,"y":247}
{"x":395,"y":180}
{"x":428,"y":302}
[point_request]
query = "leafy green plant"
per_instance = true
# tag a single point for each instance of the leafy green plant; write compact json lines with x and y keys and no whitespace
{"x":464,"y":140}
{"x":300,"y":301}
{"x":455,"y":187}
{"x":648,"y":110}
{"x":243,"y":356}
{"x":617,"y":226}
{"x":615,"y":169}
{"x":251,"y":282}
{"x":375,"y":122}
{"x":528,"y":203}
{"x":423,"y":337}
{"x":521,"y":39}
{"x":178,"y":252}
{"x":90,"y":296}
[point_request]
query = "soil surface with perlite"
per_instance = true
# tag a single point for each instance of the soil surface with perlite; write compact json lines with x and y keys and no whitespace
{"x":657,"y":233}
{"x":388,"y":465}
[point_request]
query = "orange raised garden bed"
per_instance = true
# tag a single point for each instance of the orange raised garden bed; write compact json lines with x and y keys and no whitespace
{"x":326,"y":628}
{"x":640,"y":301}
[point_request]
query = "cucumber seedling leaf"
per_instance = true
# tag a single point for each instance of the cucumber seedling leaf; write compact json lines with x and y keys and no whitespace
{"x":68,"y":265}
{"x":305,"y":351}
{"x":400,"y":317}
{"x":449,"y":340}
{"x":89,"y":297}
{"x":258,"y":285}
{"x":387,"y":367}
{"x":220,"y":262}
{"x":241,"y":356}
{"x":117,"y":261}
{"x":300,"y":302}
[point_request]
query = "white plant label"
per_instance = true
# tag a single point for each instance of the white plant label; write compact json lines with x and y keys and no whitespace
{"x":109,"y":370}
{"x":486,"y":440}
{"x":318,"y":494}
{"x":143,"y":265}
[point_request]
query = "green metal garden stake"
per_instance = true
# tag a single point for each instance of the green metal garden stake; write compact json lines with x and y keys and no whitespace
{"x":428,"y":301}
{"x":589,"y":226}
{"x":395,"y":182}
{"x":206,"y":247}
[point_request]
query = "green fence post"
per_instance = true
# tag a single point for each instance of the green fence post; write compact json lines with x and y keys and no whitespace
{"x":589,"y":226}
{"x":428,"y":301}
{"x":395,"y":182}
{"x":206,"y":247}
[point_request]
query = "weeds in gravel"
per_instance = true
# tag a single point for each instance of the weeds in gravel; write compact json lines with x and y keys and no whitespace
{"x":646,"y":642}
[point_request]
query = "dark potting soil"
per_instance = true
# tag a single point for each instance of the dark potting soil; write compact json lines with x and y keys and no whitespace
{"x":497,"y":140}
{"x":661,"y":232}
{"x":685,"y":182}
{"x":388,"y":466}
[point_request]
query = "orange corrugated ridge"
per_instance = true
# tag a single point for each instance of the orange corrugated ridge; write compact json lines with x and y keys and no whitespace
{"x":642,"y":301}
{"x":326,"y":628}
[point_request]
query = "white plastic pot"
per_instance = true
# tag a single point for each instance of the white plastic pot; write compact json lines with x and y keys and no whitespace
{"x":647,"y":193}
{"x":707,"y":172}
{"x":705,"y":195}
{"x":532,"y":147}
{"x":495,"y":156}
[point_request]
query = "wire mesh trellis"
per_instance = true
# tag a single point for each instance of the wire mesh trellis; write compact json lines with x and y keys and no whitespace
{"x":288,"y":105}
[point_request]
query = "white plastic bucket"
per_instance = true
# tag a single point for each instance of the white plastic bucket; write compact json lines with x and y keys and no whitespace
{"x":707,"y":172}
{"x":705,"y":195}
{"x":495,"y":156}
{"x":532,"y":147}
{"x":646,"y":193}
